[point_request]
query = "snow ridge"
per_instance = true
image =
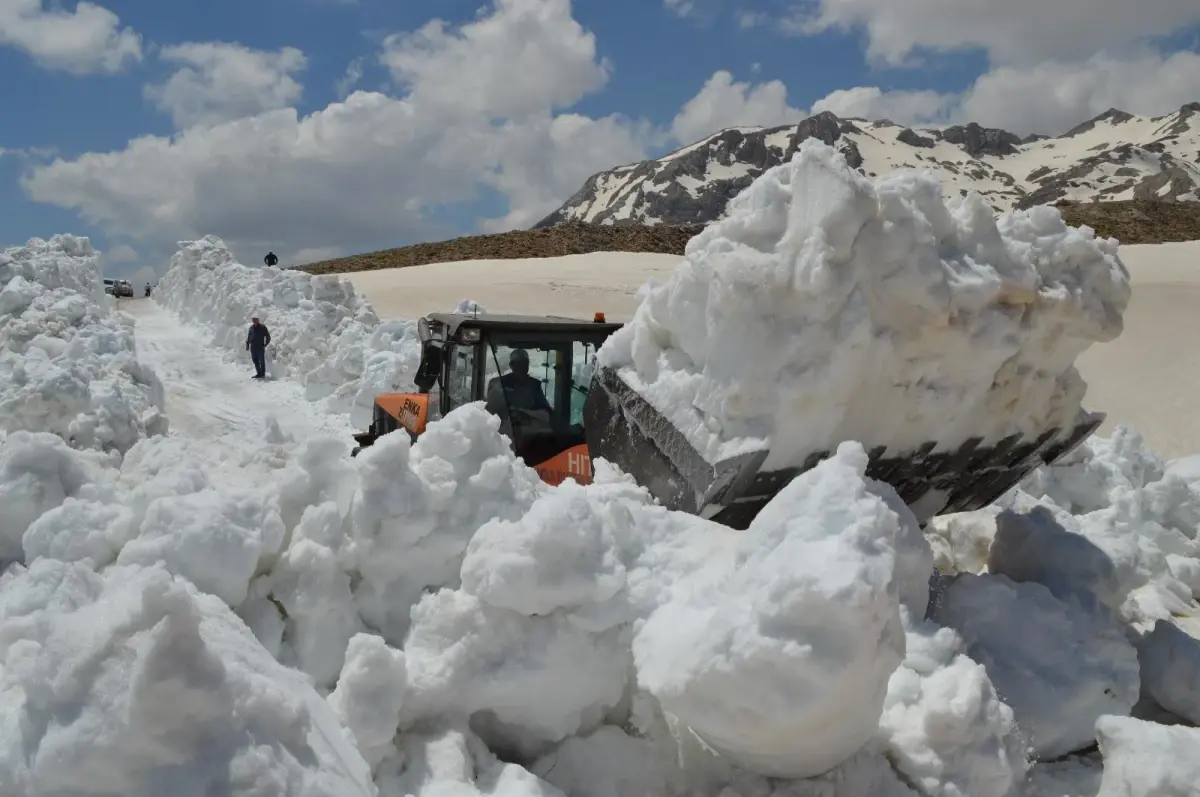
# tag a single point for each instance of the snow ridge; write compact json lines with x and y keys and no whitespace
{"x":1115,"y":156}
{"x":67,"y":359}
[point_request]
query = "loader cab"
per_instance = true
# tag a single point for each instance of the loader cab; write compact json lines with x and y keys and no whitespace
{"x":467,"y":358}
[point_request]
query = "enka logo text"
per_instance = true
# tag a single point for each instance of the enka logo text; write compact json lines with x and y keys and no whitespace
{"x":410,"y":413}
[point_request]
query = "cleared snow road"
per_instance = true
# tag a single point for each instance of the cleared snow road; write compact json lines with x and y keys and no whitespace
{"x":210,"y":397}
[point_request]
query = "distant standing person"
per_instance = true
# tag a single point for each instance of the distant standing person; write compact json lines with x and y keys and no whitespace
{"x":257,"y":341}
{"x":271,"y":259}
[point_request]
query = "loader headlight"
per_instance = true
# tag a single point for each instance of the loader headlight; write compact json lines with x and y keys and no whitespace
{"x":469,"y":335}
{"x":423,"y":330}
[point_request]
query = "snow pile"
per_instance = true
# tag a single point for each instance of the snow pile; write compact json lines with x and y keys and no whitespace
{"x":1111,"y":524}
{"x":824,"y":305}
{"x":323,"y":332}
{"x":67,"y":360}
{"x":123,"y":682}
{"x":1144,"y":759}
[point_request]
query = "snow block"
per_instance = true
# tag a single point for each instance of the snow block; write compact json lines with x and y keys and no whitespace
{"x":827,"y":307}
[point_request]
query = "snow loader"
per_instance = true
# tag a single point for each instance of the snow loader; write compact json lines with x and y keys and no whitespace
{"x":594,"y":412}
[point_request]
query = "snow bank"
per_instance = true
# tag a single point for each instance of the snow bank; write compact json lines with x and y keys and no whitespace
{"x":67,"y":359}
{"x":825,"y":306}
{"x":324,"y":333}
{"x":121,"y":683}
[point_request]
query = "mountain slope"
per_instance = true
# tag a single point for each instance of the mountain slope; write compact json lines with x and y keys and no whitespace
{"x":1115,"y":156}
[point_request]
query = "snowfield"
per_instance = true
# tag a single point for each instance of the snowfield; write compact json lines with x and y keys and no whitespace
{"x":221,"y":601}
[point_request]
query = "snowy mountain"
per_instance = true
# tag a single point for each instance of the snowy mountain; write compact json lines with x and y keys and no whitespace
{"x":1114,"y":156}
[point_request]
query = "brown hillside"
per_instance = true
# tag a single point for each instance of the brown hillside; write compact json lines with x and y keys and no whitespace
{"x":568,"y":239}
{"x":1131,"y":222}
{"x":1137,"y":221}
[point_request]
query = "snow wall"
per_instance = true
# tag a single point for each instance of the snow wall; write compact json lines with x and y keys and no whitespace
{"x":430,"y":618}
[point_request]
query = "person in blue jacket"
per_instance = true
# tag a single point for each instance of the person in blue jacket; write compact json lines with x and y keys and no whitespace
{"x":257,"y":341}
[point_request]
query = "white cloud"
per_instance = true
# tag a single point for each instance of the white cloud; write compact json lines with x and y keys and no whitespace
{"x":354,"y":73}
{"x":218,"y":81}
{"x":548,"y":158}
{"x":1013,"y":31}
{"x":1046,"y":97}
{"x":88,"y":40}
{"x":1052,"y":97}
{"x":901,"y":107}
{"x":367,"y":171}
{"x":527,"y":57}
{"x":722,"y":103}
{"x":122,"y":253}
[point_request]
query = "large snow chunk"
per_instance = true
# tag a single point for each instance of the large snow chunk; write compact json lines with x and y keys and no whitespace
{"x":1034,"y":546}
{"x":67,"y":361}
{"x":526,"y":682}
{"x":215,"y":540}
{"x":1170,"y":660}
{"x":145,"y":682}
{"x":946,"y":729}
{"x":453,"y":761}
{"x":826,"y":307}
{"x":369,"y":695}
{"x":779,"y":655}
{"x":419,"y":504}
{"x":1142,"y":759}
{"x":38,"y":473}
{"x":560,"y":555}
{"x":314,"y":591}
{"x":1059,"y":665}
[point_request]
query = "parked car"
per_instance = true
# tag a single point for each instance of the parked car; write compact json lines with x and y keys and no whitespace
{"x":110,"y":287}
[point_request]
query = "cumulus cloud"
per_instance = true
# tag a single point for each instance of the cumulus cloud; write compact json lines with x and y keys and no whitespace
{"x":871,"y":102}
{"x":1053,"y":96}
{"x":121,"y":253}
{"x":1015,"y":31}
{"x":1052,"y":63}
{"x":477,"y":112}
{"x":217,"y":81}
{"x":88,"y":40}
{"x":527,"y":57}
{"x":723,"y":102}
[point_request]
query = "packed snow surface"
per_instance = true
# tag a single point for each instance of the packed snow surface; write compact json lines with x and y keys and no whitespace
{"x":825,"y":306}
{"x":242,"y":609}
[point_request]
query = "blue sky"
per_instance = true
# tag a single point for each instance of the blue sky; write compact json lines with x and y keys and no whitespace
{"x":494,"y":119}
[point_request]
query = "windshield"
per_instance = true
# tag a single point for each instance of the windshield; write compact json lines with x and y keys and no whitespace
{"x":530,"y":388}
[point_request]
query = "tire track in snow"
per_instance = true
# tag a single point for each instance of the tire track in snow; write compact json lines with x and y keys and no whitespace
{"x":211,"y":397}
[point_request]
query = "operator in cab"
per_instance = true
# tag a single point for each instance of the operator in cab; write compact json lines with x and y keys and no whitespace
{"x":516,"y":390}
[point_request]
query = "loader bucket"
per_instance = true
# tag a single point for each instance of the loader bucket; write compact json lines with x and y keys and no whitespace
{"x":625,"y":429}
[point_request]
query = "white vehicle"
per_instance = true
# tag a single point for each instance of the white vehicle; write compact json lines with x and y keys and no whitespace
{"x":110,"y":287}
